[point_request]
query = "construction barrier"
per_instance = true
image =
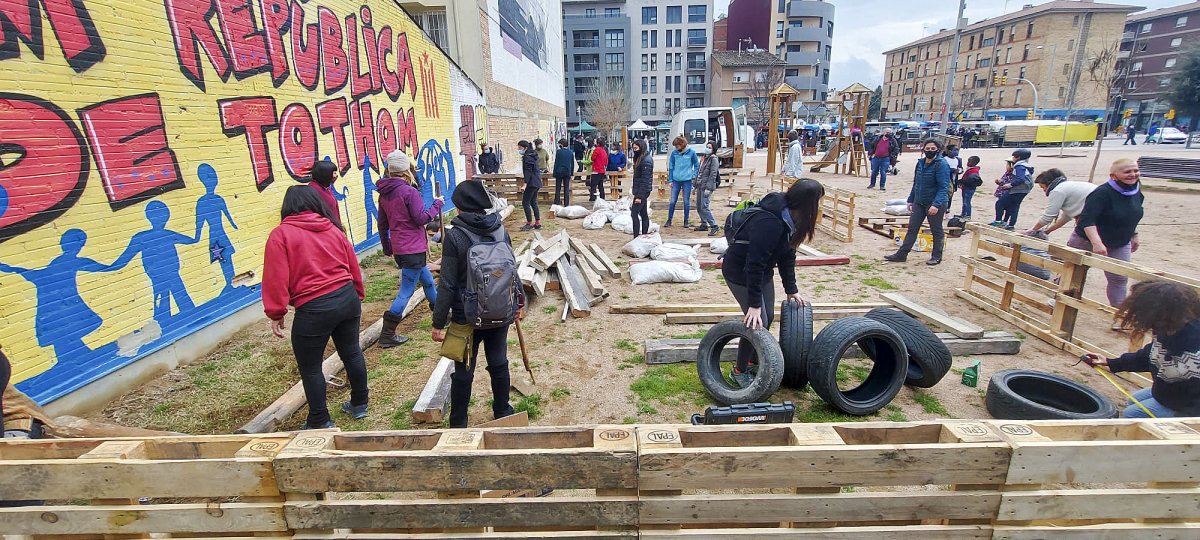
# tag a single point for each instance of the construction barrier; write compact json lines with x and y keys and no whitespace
{"x":950,"y":479}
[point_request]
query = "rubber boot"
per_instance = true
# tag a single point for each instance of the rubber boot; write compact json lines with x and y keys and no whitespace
{"x":387,"y":336}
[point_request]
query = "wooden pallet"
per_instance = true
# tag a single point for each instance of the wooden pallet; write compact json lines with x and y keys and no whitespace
{"x":1170,"y":168}
{"x":893,"y":226}
{"x":670,"y":351}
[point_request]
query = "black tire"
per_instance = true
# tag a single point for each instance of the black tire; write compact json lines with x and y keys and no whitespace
{"x":928,"y":358}
{"x":795,"y":340}
{"x":880,"y":343}
{"x":770,"y":364}
{"x":1024,"y":394}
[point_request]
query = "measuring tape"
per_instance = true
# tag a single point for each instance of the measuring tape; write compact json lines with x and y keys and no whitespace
{"x":1122,"y":389}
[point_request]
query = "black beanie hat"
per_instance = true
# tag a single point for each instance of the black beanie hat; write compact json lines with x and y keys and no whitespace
{"x":470,"y":196}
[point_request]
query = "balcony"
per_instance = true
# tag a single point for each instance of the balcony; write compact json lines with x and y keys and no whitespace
{"x":810,"y":8}
{"x":586,"y":43}
{"x":695,"y":88}
{"x":693,"y":41}
{"x":587,"y":67}
{"x":697,"y":66}
{"x":1123,"y":54}
{"x":804,"y":58}
{"x":1127,"y":36}
{"x":807,"y":33}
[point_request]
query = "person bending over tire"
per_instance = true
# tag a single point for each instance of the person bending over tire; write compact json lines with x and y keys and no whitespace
{"x":1173,"y":357}
{"x":311,"y":265}
{"x":402,"y":220}
{"x":927,"y":200}
{"x":766,"y":240}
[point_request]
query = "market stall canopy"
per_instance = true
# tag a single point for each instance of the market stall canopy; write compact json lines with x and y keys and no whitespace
{"x":583,"y":126}
{"x":639,"y":126}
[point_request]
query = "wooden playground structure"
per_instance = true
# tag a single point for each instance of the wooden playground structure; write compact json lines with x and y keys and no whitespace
{"x":845,"y":152}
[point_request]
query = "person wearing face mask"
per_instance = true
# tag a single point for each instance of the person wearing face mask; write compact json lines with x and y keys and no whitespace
{"x":927,"y":200}
{"x":705,"y":184}
{"x":488,"y":162}
{"x":1016,"y":188}
{"x":543,"y":157}
{"x":1108,"y":224}
{"x":956,"y":170}
{"x":643,"y":184}
{"x":532,"y":180}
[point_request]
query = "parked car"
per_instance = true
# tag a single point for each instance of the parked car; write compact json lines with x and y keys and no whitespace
{"x":1168,"y":135}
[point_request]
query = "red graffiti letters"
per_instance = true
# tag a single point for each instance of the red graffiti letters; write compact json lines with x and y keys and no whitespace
{"x":43,"y":163}
{"x":21,"y":20}
{"x":298,"y":140}
{"x":252,"y":117}
{"x":333,"y":118}
{"x":129,"y":141}
{"x":191,"y":31}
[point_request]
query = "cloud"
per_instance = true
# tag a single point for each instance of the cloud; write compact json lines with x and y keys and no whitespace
{"x":852,"y":70}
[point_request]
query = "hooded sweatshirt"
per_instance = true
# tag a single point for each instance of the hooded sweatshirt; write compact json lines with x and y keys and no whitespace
{"x":970,"y":179}
{"x":1022,"y":178}
{"x":683,"y":166}
{"x":1175,"y":363}
{"x":306,"y":257}
{"x":449,"y":305}
{"x":402,"y":217}
{"x":326,"y":194}
{"x":752,"y":265}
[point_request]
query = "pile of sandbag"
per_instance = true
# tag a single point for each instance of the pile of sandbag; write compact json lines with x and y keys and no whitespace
{"x":896,"y":207}
{"x":673,"y":263}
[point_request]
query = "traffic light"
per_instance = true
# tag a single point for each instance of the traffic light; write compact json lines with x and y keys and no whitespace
{"x":995,"y":80}
{"x":1170,"y":115}
{"x":1003,"y":80}
{"x":1029,"y":114}
{"x":1127,"y":113}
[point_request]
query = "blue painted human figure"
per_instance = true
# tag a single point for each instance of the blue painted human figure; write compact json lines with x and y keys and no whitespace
{"x":211,"y":209}
{"x":435,"y":167}
{"x":63,"y":319}
{"x":160,"y":260}
{"x":369,"y":198}
{"x":3,"y":200}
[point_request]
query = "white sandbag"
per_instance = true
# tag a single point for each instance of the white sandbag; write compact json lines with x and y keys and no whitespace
{"x":595,"y":220}
{"x":623,"y":222}
{"x":498,"y":204}
{"x":673,"y":252}
{"x":602,"y":205}
{"x":719,"y":245}
{"x":666,"y":272}
{"x":641,"y":246}
{"x":624,"y":204}
{"x":572,"y":212}
{"x":896,"y":202}
{"x":896,"y":210}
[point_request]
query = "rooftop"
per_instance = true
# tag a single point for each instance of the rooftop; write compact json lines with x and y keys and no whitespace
{"x":1043,"y":9}
{"x":756,"y":57}
{"x":1164,"y":12}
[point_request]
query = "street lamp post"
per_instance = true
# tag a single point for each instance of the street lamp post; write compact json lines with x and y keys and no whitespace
{"x":1035,"y":97}
{"x":960,"y":24}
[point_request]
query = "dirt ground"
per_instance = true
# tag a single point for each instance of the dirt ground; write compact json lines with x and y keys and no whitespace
{"x":592,"y":371}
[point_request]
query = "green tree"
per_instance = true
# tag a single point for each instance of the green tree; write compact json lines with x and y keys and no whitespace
{"x":876,"y":103}
{"x":1184,"y":90}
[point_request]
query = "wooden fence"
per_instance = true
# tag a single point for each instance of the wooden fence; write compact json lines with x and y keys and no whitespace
{"x":1001,"y":279}
{"x":837,"y":208}
{"x":948,"y":479}
{"x":508,"y":186}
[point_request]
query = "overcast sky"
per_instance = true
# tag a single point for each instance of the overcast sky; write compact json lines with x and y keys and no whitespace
{"x":863,"y":29}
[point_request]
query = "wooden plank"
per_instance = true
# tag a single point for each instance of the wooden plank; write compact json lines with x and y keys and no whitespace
{"x":893,"y":532}
{"x":523,"y":535}
{"x":817,"y":508}
{"x":452,"y":513}
{"x":670,"y":351}
{"x":585,"y":258}
{"x":132,"y":478}
{"x":434,"y":401}
{"x":1036,"y":330}
{"x":613,"y":270}
{"x":661,"y":309}
{"x":520,"y":419}
{"x":955,"y":325}
{"x":552,"y":253}
{"x":144,"y":519}
{"x":595,"y":287}
{"x":713,"y":318}
{"x":1106,"y":504}
{"x":803,"y":260}
{"x":1105,"y":531}
{"x":819,"y":466}
{"x":1062,"y":462}
{"x":574,"y":288}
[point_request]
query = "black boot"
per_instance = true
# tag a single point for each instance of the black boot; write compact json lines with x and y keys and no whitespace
{"x":387,"y":336}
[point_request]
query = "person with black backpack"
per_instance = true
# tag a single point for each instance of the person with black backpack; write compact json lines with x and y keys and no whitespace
{"x":763,"y":237}
{"x":479,"y":297}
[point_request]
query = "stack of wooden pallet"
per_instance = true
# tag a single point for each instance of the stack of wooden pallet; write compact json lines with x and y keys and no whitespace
{"x":567,"y":264}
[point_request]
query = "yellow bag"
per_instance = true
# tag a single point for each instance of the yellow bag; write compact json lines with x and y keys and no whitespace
{"x":457,"y":345}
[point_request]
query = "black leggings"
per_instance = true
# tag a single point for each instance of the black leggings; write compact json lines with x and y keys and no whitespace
{"x":741,"y":293}
{"x":5,"y":375}
{"x":596,"y":186}
{"x":641,"y":217}
{"x":334,"y":315}
{"x":529,"y":201}
{"x":495,"y":349}
{"x":562,"y":185}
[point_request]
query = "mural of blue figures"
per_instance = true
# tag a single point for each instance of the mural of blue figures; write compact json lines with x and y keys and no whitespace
{"x":3,"y":200}
{"x":435,"y":166}
{"x":160,"y":260}
{"x":371,"y":210}
{"x":212,"y":210}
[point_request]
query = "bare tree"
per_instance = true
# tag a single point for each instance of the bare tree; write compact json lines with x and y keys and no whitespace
{"x":764,"y":81}
{"x":966,"y":100}
{"x":608,"y":106}
{"x":1106,"y":71}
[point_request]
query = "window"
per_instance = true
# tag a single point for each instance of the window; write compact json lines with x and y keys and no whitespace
{"x":1169,"y":63}
{"x":696,"y":61}
{"x":589,"y":12}
{"x":645,"y":39}
{"x":987,"y":42}
{"x":645,"y":84}
{"x":1062,"y":92}
{"x":1181,"y":22}
{"x":674,"y":14}
{"x":584,"y":85}
{"x":587,"y":62}
{"x":829,"y":25}
{"x":697,"y":14}
{"x":612,"y":12}
{"x":741,"y":76}
{"x":653,"y":85}
{"x":654,"y":38}
{"x":1164,"y":82}
{"x":1029,"y":30}
{"x":645,"y":107}
{"x":1022,"y":72}
{"x":779,"y":29}
{"x":434,"y":25}
{"x":782,"y":6}
{"x":999,"y":35}
{"x":1017,"y":97}
{"x":1075,"y":21}
{"x":695,"y":83}
{"x":678,"y":60}
{"x":1008,"y":55}
{"x":791,"y":73}
{"x":984,"y":62}
{"x":587,"y":38}
{"x":1000,"y":97}
{"x":697,"y":37}
{"x":650,"y":15}
{"x":828,"y":51}
{"x":935,"y":67}
{"x":614,"y":61}
{"x":1146,"y":27}
{"x":1175,"y":43}
{"x":645,"y":62}
{"x":678,"y":38}
{"x":972,"y":43}
{"x":653,"y":107}
{"x":1025,"y":54}
{"x":1136,"y":67}
{"x":670,"y":64}
{"x":1133,"y":85}
{"x":1066,"y":68}
{"x":695,"y":102}
{"x":653,"y":62}
{"x":670,"y":38}
{"x":667,"y":85}
{"x":1070,"y":44}
{"x":614,"y":39}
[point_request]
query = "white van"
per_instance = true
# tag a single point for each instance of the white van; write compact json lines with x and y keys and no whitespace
{"x":702,"y":124}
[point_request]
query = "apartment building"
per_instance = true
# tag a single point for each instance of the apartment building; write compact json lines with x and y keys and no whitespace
{"x":740,"y":79}
{"x":672,"y":43}
{"x":597,"y":52}
{"x":799,"y":32}
{"x":1150,"y":48}
{"x":1039,"y":52}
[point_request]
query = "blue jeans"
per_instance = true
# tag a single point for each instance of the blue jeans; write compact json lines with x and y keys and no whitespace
{"x":408,"y":284}
{"x":1144,"y":395}
{"x":1008,"y":206}
{"x":967,"y":194}
{"x":703,"y":201}
{"x":879,"y":166}
{"x":686,"y":188}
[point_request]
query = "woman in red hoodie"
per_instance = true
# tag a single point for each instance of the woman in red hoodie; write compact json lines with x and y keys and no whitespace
{"x":311,"y":265}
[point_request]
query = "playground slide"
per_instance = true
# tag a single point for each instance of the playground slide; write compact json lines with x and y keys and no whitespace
{"x":830,"y":158}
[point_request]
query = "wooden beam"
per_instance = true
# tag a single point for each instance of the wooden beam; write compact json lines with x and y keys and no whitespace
{"x":670,"y":351}
{"x":803,"y":260}
{"x":585,"y":258}
{"x":543,"y":244}
{"x":955,"y":325}
{"x":716,"y":317}
{"x":614,"y":271}
{"x":574,"y":288}
{"x":660,"y":309}
{"x":434,"y":401}
{"x":552,"y":253}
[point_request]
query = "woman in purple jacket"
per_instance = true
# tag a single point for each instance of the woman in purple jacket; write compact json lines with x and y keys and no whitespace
{"x":402,"y":220}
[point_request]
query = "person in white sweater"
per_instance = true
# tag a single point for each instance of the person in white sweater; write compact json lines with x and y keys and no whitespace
{"x":1065,"y":201}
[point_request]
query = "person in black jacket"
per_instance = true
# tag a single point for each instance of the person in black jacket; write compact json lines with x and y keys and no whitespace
{"x":533,"y":184}
{"x":471,"y":200}
{"x":767,"y":240}
{"x":643,"y":184}
{"x":579,"y":147}
{"x":1173,"y":357}
{"x":1108,"y":224}
{"x":488,"y":162}
{"x":564,"y":165}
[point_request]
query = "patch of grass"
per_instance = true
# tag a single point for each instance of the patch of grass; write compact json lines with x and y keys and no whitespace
{"x":402,"y":417}
{"x":550,"y":309}
{"x":930,"y":403}
{"x":721,"y":279}
{"x":629,"y":420}
{"x":957,"y":371}
{"x":866,"y":266}
{"x":426,"y":323}
{"x":1020,"y":335}
{"x":857,"y":257}
{"x":513,"y":343}
{"x":698,"y":334}
{"x":645,"y":408}
{"x":624,"y":297}
{"x":820,"y":412}
{"x":632,"y":361}
{"x":380,"y":286}
{"x":895,"y":416}
{"x":673,"y":384}
{"x":559,"y":393}
{"x":818,"y":289}
{"x":531,"y":404}
{"x":626,"y":345}
{"x":879,"y":283}
{"x":374,"y":374}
